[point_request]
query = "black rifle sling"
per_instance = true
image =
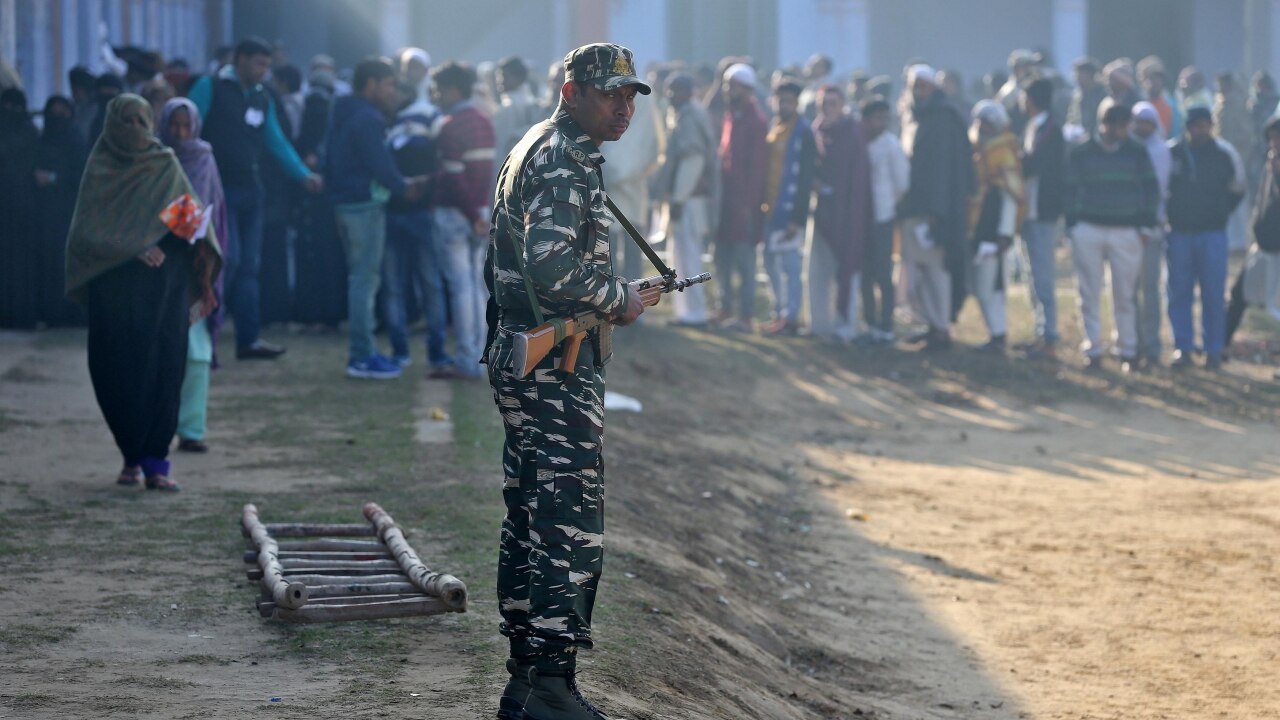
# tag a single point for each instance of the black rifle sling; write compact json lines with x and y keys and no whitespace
{"x":662,"y":268}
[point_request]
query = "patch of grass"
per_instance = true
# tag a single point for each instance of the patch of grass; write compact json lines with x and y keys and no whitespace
{"x":203,"y":660}
{"x":33,"y":701}
{"x":25,"y":374}
{"x":477,"y":428}
{"x":27,"y":636}
{"x":157,"y":682}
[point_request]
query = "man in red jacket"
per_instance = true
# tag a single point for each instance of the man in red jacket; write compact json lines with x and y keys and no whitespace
{"x":463,"y":192}
{"x":743,"y":166}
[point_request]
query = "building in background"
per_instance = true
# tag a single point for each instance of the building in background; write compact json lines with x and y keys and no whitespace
{"x":45,"y":38}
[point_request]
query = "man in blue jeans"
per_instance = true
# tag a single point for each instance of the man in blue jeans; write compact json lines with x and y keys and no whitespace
{"x":1043,"y":163}
{"x":364,"y":177}
{"x":1206,"y":184}
{"x":240,"y":123}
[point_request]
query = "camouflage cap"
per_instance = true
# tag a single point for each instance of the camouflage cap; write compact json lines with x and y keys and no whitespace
{"x":605,"y":65}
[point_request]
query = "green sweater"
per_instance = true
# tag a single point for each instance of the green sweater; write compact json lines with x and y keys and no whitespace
{"x":1113,"y":188}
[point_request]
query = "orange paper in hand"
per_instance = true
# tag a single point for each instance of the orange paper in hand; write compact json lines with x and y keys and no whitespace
{"x":183,"y":216}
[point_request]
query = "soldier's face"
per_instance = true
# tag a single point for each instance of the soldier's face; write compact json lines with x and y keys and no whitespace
{"x":603,"y":115}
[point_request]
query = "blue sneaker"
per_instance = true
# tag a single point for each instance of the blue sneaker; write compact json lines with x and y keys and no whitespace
{"x":402,"y":361}
{"x":376,"y":367}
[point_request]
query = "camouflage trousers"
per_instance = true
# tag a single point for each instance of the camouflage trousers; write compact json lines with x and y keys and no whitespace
{"x":551,"y":551}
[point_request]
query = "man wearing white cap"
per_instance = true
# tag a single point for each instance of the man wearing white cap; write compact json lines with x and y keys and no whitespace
{"x":743,"y":167}
{"x":410,"y":258}
{"x":1148,"y":130}
{"x":935,"y":208}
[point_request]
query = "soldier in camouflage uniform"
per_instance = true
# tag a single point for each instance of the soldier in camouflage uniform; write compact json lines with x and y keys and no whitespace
{"x":549,"y":257}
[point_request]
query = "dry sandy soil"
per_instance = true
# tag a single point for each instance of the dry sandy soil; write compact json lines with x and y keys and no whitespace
{"x":796,"y":531}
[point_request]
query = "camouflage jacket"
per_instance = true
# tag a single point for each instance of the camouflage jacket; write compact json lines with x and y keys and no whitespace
{"x":551,"y":217}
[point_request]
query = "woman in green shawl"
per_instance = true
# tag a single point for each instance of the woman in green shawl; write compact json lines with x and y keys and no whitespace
{"x":144,"y":269}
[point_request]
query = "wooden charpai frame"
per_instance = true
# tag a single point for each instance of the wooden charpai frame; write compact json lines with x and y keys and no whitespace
{"x":332,"y":573}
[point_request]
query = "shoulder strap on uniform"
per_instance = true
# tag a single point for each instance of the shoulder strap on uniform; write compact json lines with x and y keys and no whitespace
{"x":635,"y":235}
{"x":511,"y":170}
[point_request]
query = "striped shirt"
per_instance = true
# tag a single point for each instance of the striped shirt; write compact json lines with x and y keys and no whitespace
{"x":1112,"y":188}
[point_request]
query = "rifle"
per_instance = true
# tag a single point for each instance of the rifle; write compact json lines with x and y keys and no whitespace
{"x":530,"y":346}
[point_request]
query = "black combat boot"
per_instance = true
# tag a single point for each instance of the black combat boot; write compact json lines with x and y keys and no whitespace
{"x":555,"y":696}
{"x":511,"y":706}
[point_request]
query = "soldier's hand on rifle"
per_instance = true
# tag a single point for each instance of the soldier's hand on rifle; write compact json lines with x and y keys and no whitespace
{"x":633,"y":310}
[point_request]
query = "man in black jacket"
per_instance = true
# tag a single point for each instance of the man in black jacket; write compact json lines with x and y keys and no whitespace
{"x":936,"y":205}
{"x":1043,"y":159}
{"x":242,"y":125}
{"x":1206,"y":183}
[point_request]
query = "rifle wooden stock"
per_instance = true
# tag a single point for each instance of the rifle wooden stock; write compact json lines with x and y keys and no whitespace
{"x":530,"y":346}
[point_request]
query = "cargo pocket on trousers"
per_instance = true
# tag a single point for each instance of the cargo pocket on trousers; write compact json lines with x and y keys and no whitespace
{"x":569,"y":483}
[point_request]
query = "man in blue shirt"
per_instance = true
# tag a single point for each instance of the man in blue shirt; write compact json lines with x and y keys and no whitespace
{"x":364,"y":177}
{"x":240,"y":123}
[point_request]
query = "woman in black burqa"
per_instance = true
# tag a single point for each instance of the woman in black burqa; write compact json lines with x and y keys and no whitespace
{"x":19,"y":242}
{"x":60,"y":158}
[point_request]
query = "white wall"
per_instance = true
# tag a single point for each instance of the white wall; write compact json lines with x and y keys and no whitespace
{"x":640,"y":25}
{"x":29,"y":29}
{"x":1070,"y":34}
{"x":837,"y":28}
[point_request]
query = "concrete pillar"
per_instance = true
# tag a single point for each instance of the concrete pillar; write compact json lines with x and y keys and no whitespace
{"x":1218,"y":36}
{"x":395,"y":24}
{"x":40,"y":75}
{"x":1272,"y":58}
{"x":642,"y":26}
{"x":837,"y":28}
{"x":590,"y":22}
{"x":561,"y":28}
{"x":9,"y":32}
{"x":90,"y":16}
{"x":1070,"y":33}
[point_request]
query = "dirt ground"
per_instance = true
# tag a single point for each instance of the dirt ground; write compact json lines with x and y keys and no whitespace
{"x":795,"y":531}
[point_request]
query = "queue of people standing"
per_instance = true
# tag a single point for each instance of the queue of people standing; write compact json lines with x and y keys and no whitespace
{"x":1144,"y":183}
{"x":851,"y":202}
{"x":822,"y":185}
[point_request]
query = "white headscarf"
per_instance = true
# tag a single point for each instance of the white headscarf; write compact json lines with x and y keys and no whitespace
{"x":922,"y":72}
{"x":1157,"y":150}
{"x":990,"y":111}
{"x":741,"y":73}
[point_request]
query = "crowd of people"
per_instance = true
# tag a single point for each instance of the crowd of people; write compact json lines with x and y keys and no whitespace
{"x":823,"y":184}
{"x":365,"y":195}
